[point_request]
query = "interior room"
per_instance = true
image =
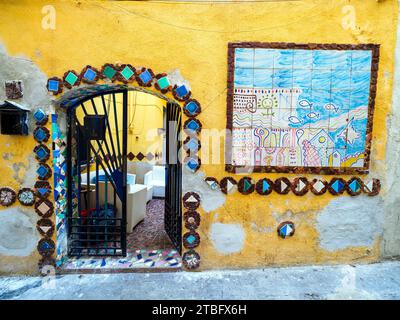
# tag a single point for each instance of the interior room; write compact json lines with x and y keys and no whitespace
{"x":100,"y":206}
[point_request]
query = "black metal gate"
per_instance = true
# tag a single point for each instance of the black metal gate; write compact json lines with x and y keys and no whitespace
{"x":173,"y":208}
{"x":97,"y":159}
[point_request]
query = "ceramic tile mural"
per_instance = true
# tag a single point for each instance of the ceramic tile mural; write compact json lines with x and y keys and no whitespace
{"x":300,"y":108}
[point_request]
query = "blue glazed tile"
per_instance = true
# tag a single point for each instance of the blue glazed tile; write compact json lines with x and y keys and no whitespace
{"x":192,"y":164}
{"x":244,"y":77}
{"x":355,"y":186}
{"x":192,"y":125}
{"x":192,"y":107}
{"x":192,"y":144}
{"x":90,"y":74}
{"x":244,"y":58}
{"x":264,"y":58}
{"x":42,"y":171}
{"x":321,"y":79}
{"x":341,"y":79}
{"x":41,"y":153}
{"x":181,"y":91}
{"x":302,"y":59}
{"x":263,"y":78}
{"x":360,"y":80}
{"x":40,"y":135}
{"x":265,"y":186}
{"x":191,"y":239}
{"x":283,"y":78}
{"x":361,"y":60}
{"x":283,"y":59}
{"x":53,"y":85}
{"x":39,"y":115}
{"x":145,"y":76}
{"x":337,"y":186}
{"x":301,"y":79}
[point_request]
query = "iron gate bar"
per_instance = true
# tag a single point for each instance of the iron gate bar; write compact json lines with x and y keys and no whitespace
{"x":109,"y":131}
{"x":116,"y":127}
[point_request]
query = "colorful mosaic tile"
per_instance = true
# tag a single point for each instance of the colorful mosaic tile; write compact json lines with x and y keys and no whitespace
{"x":372,"y":187}
{"x":228,"y":185}
{"x":246,"y":185}
{"x":192,"y":126}
{"x":144,"y":77}
{"x":54,"y":85}
{"x":46,"y":247}
{"x":264,"y":186}
{"x":139,"y":259}
{"x":45,"y":227}
{"x":191,"y":200}
{"x":71,"y":78}
{"x":108,"y":71}
{"x":191,"y":240}
{"x":192,"y":219}
{"x":354,"y":186}
{"x":286,"y":229}
{"x":89,"y":75}
{"x":41,"y":134}
{"x":126,"y":73}
{"x":163,"y":84}
{"x":26,"y":196}
{"x":7,"y":196}
{"x":40,"y":117}
{"x":44,"y":208}
{"x":212,"y":183}
{"x":192,"y":163}
{"x":282,"y":185}
{"x":44,"y":171}
{"x":337,"y":186}
{"x":300,"y":186}
{"x":318,"y":186}
{"x":191,"y":259}
{"x":192,"y":108}
{"x":42,"y":189}
{"x":181,"y":92}
{"x":42,"y":153}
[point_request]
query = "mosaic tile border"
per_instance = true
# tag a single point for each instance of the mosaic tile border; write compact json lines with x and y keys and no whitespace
{"x":284,"y":186}
{"x":125,"y":73}
{"x":310,"y":46}
{"x":191,"y":239}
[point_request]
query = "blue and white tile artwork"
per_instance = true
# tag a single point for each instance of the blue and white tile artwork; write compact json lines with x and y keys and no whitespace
{"x":300,"y":107}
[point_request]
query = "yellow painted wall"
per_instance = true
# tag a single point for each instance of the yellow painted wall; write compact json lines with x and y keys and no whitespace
{"x":193,"y":38}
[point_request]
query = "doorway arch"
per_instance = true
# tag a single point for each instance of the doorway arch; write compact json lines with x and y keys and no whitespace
{"x":112,"y":159}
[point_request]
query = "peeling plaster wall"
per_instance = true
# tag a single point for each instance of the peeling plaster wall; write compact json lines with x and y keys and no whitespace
{"x":329,"y":229}
{"x":18,"y":234}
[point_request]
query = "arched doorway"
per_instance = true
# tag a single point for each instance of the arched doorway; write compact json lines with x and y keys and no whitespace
{"x":101,"y":199}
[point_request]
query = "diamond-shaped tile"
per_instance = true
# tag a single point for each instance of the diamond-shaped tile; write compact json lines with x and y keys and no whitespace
{"x":127,"y":73}
{"x":41,"y":134}
{"x":318,"y":186}
{"x":181,"y":91}
{"x":39,"y":115}
{"x":71,"y":78}
{"x":163,"y":83}
{"x":150,"y":156}
{"x":192,"y":108}
{"x":53,"y":85}
{"x":42,"y":153}
{"x":131,"y":156}
{"x":89,"y":74}
{"x":109,"y":72}
{"x":145,"y":76}
{"x":140,"y":156}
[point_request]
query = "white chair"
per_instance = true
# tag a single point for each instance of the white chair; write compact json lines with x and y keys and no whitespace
{"x":159,"y":181}
{"x":148,"y":182}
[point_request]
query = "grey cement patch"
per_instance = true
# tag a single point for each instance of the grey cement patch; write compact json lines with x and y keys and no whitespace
{"x":210,"y":199}
{"x":35,"y":96}
{"x":34,"y":80}
{"x":350,"y":222}
{"x":227,"y":238}
{"x":18,"y":234}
